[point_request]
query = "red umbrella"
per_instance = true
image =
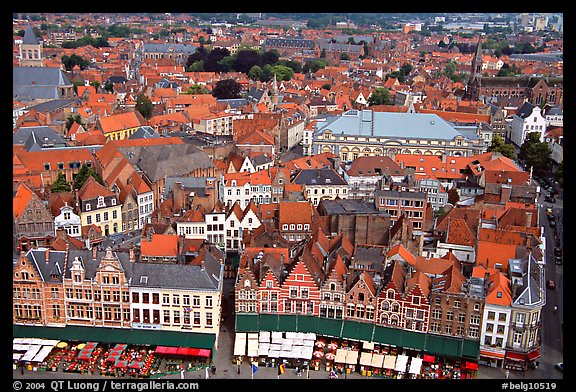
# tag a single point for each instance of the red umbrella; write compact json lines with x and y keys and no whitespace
{"x":333,"y":346}
{"x":318,"y":354}
{"x":330,"y":356}
{"x":320,"y":343}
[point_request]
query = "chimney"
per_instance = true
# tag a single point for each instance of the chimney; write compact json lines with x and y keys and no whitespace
{"x":528,"y":219}
{"x":132,"y":259}
{"x":444,"y":157}
{"x":47,"y":254}
{"x":94,"y":252}
{"x":177,"y":196}
{"x":506,"y":191}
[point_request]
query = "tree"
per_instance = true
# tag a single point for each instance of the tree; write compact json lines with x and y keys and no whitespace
{"x":282,"y":72}
{"x":246,"y":59}
{"x":83,"y":175}
{"x":499,"y":145}
{"x":109,"y":87}
{"x":227,"y":89}
{"x":95,"y":84}
{"x":255,"y":73}
{"x":61,"y":185}
{"x":453,"y":196}
{"x":73,"y":118}
{"x":70,"y":61}
{"x":144,"y":105}
{"x":534,"y":153}
{"x":313,"y":66}
{"x":380,"y":96}
{"x":197,"y":89}
{"x":198,"y":66}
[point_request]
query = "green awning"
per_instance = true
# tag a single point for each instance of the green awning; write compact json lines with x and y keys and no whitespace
{"x":413,"y":340}
{"x":350,"y":330}
{"x":287,"y":323}
{"x":365,"y":331}
{"x":434,"y":345}
{"x":453,"y":347}
{"x":308,"y":324}
{"x":268,"y":322}
{"x":385,"y":335}
{"x":329,"y":327}
{"x":118,"y":335}
{"x":471,"y":349}
{"x":247,"y":322}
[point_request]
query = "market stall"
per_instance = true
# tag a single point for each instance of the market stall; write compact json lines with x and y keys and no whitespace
{"x":415,"y":367}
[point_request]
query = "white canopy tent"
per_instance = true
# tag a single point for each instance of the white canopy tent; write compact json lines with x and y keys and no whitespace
{"x":365,"y":359}
{"x":240,"y":344}
{"x":415,"y":365}
{"x":42,"y":354}
{"x":377,"y":360}
{"x":389,"y":362}
{"x":401,"y":363}
{"x":252,"y":345}
{"x":352,"y":357}
{"x":340,"y":356}
{"x":264,"y":337}
{"x":263,"y":349}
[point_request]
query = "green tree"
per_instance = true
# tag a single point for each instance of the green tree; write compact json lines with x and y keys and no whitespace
{"x":534,"y":153}
{"x":380,"y":96}
{"x":144,"y":105}
{"x":453,"y":196}
{"x":109,"y":87}
{"x":96,"y":84}
{"x":61,"y":185}
{"x":282,"y":72}
{"x":499,"y":145}
{"x":255,"y":73}
{"x":313,"y":66}
{"x":83,"y":175}
{"x":198,"y":66}
{"x":227,"y":89}
{"x":70,"y":61}
{"x":344,"y":56}
{"x":73,"y":118}
{"x":197,"y":89}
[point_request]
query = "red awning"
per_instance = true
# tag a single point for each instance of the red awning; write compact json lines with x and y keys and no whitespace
{"x":160,"y":350}
{"x":428,"y":358}
{"x":471,"y":366}
{"x":532,"y":355}
{"x":515,"y":356}
{"x":491,"y":354}
{"x":203,"y":352}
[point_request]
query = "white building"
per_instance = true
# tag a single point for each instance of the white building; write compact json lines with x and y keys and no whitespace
{"x":68,"y":221}
{"x":243,"y":187}
{"x":528,"y":119}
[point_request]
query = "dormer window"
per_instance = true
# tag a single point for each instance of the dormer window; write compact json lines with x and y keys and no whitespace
{"x":284,"y":227}
{"x":113,"y":202}
{"x":101,"y":202}
{"x":88,"y":207}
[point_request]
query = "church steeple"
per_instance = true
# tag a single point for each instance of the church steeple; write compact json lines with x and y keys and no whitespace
{"x":476,"y":70}
{"x":31,"y":53}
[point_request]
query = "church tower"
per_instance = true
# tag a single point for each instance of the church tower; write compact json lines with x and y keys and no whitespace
{"x":31,"y":50}
{"x":475,"y":79}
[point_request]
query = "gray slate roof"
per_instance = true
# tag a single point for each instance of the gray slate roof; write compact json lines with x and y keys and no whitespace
{"x":167,"y":160}
{"x":52,"y":105}
{"x":34,"y":138}
{"x":37,"y":83}
{"x":347,"y":207}
{"x":178,"y":276}
{"x":30,"y":37}
{"x":386,"y":124}
{"x":325,"y":176}
{"x":197,"y":184}
{"x":169,"y":48}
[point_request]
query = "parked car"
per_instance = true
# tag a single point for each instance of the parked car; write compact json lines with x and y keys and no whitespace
{"x":552,"y":223}
{"x":551,"y":284}
{"x":550,"y":199}
{"x":557,"y":251}
{"x":549,"y":212}
{"x":560,"y":366}
{"x":558,"y":260}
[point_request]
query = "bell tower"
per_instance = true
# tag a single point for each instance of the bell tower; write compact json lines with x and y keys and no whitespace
{"x":31,"y":50}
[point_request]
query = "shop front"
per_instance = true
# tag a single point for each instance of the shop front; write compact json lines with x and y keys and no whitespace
{"x":492,"y":358}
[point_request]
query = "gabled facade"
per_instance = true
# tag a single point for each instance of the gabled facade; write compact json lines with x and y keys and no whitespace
{"x":33,"y":221}
{"x":99,"y":206}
